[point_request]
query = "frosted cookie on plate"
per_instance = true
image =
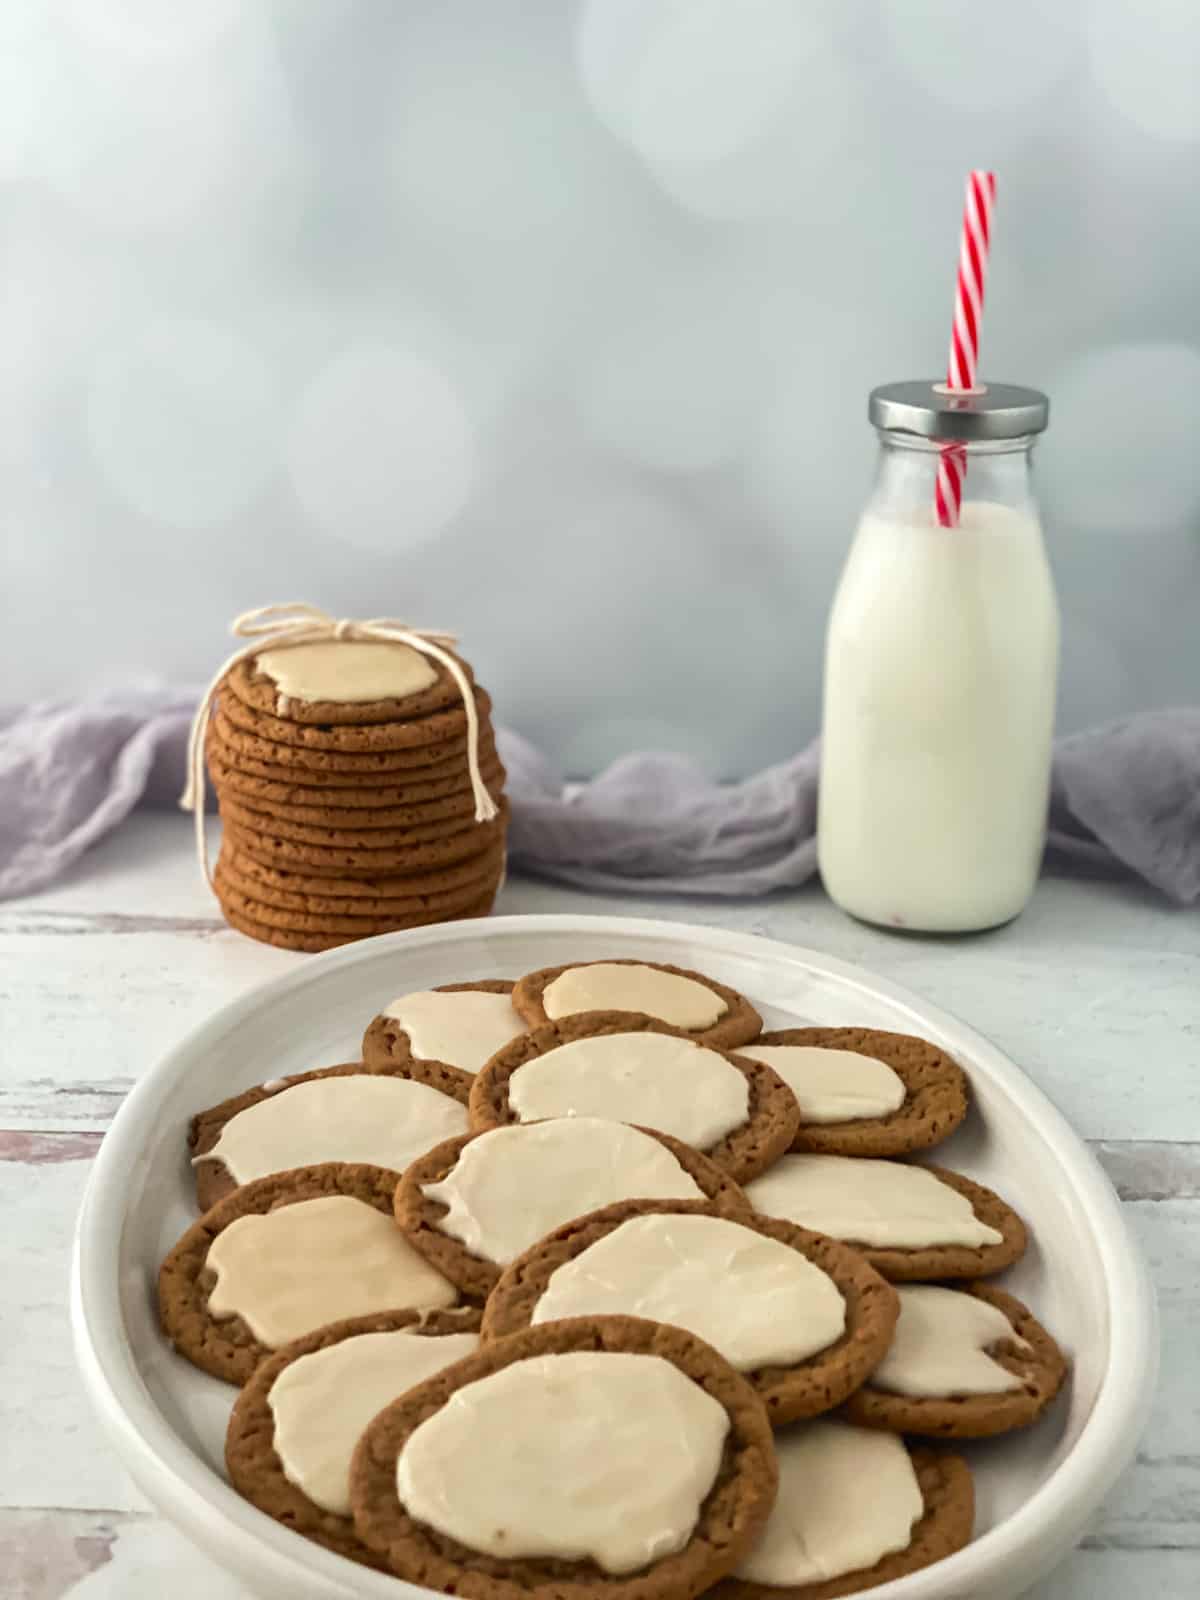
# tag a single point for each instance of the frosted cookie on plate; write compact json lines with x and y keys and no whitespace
{"x":282,"y":1257}
{"x":343,"y":1113}
{"x":966,"y":1363}
{"x":632,"y":1068}
{"x":473,"y":1205}
{"x":295,"y":1424}
{"x":802,"y":1317}
{"x":606,"y":1457}
{"x":704,"y":1009}
{"x":910,"y":1222}
{"x":864,"y":1091}
{"x":853,"y":1512}
{"x":444,"y":1036}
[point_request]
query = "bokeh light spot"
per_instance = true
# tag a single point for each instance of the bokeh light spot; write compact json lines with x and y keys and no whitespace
{"x":984,"y":57}
{"x":148,"y":29}
{"x":734,"y":109}
{"x":1146,"y":59}
{"x":1121,"y":453}
{"x":183,"y":421}
{"x":381,"y":450}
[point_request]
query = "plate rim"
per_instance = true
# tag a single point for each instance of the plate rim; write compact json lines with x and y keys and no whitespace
{"x":117,"y":1390}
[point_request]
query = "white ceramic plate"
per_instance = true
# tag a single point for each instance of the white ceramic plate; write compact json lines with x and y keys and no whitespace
{"x":1081,"y":1275}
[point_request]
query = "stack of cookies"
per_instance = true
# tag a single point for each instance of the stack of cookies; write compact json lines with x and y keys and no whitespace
{"x":342,"y":776}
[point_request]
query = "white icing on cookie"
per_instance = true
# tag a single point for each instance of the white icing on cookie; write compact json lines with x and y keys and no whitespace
{"x":758,"y":1302}
{"x":386,"y":1122}
{"x":347,"y":671}
{"x":612,"y":986}
{"x":548,"y":1458}
{"x":512,"y":1185}
{"x":653,"y":1079}
{"x":463,"y":1029}
{"x":882,"y":1203}
{"x":322,"y":1402}
{"x":847,"y":1498}
{"x":940,"y":1346}
{"x":302,"y":1265}
{"x":832,"y":1085}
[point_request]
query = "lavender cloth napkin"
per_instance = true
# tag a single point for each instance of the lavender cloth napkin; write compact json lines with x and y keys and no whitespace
{"x":1126,"y":797}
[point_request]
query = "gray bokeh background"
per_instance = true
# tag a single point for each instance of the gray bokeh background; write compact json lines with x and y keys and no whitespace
{"x":553,"y":323}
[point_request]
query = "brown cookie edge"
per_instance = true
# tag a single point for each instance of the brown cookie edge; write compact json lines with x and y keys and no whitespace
{"x":254,"y":1467}
{"x":948,"y":1491}
{"x":741,"y":1023}
{"x":802,"y":1389}
{"x":1042,"y":1373}
{"x":930,"y":1263}
{"x":935,"y":1103}
{"x":744,"y":1153}
{"x":387,"y":1044}
{"x":731,"y":1516}
{"x":213,"y":1179}
{"x":226,"y":1347}
{"x":418,"y":1216}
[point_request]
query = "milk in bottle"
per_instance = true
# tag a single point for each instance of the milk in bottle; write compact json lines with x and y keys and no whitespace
{"x":940,"y":675}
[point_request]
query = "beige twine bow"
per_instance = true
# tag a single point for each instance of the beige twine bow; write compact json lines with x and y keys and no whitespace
{"x":280,"y":627}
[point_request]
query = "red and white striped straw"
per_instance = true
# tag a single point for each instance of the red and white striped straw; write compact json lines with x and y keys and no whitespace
{"x":964,"y":335}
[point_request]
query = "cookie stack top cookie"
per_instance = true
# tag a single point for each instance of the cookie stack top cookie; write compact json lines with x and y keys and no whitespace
{"x":357,"y":778}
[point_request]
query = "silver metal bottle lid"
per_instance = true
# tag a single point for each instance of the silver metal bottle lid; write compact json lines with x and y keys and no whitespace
{"x":992,"y":411}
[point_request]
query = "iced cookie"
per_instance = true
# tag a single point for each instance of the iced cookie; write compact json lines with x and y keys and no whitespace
{"x":865,"y":1092}
{"x":603,"y":1458}
{"x":349,"y":738}
{"x":444,"y":1035}
{"x":345,"y":681}
{"x":294,"y":1427}
{"x":910,"y":1222}
{"x":853,"y":1513}
{"x":802,"y":1317}
{"x":631,"y":1068}
{"x":698,"y":1006}
{"x":282,"y":1257}
{"x":965,"y":1364}
{"x":475,"y":1204}
{"x":344,"y":1113}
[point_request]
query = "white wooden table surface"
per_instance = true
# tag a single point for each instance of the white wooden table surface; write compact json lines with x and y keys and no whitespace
{"x":1095,"y":992}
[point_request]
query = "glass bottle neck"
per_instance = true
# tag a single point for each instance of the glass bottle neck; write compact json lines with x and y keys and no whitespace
{"x":997,"y":472}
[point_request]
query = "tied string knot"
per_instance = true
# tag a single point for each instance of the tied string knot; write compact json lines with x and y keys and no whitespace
{"x":280,"y":627}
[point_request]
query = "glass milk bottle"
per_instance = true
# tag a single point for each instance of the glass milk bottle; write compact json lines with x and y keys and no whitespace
{"x":940,"y":672}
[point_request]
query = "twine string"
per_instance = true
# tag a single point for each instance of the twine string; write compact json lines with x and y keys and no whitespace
{"x":283,"y":626}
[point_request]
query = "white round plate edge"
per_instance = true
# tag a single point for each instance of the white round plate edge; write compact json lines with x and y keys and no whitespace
{"x":1103,"y":1447}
